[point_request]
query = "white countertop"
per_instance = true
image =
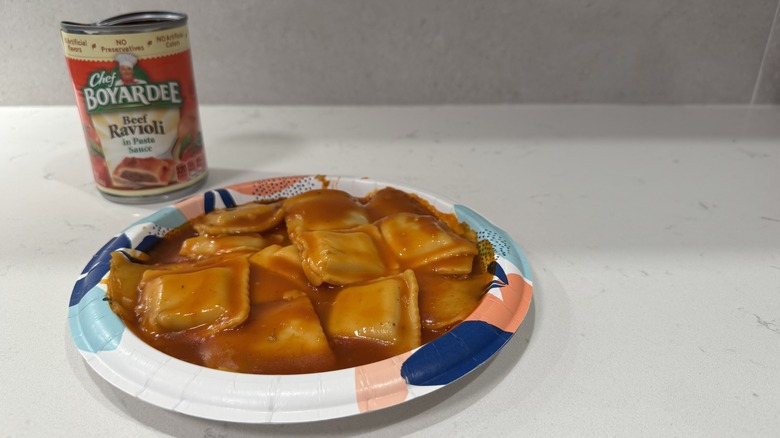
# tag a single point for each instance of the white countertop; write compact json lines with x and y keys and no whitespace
{"x":653,"y":236}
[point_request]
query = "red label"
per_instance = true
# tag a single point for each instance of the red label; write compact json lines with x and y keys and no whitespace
{"x":138,"y":106}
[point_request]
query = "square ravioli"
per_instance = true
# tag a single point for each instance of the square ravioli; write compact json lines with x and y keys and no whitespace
{"x":281,"y":337}
{"x":213,"y":297}
{"x":383,"y":311}
{"x":423,"y":242}
{"x":122,"y":287}
{"x":206,"y":246}
{"x":389,"y":201}
{"x":342,"y":257}
{"x":254,"y":217}
{"x":274,"y":271}
{"x":447,"y":300}
{"x":323,"y":210}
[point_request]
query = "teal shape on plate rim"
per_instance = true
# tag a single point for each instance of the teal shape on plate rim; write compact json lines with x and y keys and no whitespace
{"x":93,"y":325}
{"x":168,"y":217}
{"x":502,"y":244}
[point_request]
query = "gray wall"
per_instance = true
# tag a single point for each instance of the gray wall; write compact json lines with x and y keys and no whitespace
{"x":377,"y":52}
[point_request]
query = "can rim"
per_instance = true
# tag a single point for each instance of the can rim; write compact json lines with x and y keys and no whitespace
{"x":132,"y":22}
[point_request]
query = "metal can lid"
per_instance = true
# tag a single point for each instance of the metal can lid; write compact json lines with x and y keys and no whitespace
{"x":147,"y":21}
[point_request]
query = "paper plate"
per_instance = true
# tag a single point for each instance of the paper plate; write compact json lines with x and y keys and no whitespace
{"x":128,"y":363}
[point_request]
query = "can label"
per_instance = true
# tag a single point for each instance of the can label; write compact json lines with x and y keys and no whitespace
{"x":136,"y":97}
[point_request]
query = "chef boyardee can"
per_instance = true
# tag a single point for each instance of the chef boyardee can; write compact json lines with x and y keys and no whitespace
{"x":135,"y":92}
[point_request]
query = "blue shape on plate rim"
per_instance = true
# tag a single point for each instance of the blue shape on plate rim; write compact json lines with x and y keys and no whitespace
{"x":454,"y":354}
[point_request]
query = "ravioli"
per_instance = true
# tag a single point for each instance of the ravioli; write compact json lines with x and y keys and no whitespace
{"x":282,"y":337}
{"x":343,"y":257}
{"x":122,"y":288}
{"x":323,"y":210}
{"x":275,"y":270}
{"x":384,"y":311}
{"x":423,"y":242}
{"x":199,"y":247}
{"x":447,"y":300}
{"x":389,"y":201}
{"x":254,"y":217}
{"x":214,"y":297}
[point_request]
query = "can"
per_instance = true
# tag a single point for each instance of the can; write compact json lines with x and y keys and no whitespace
{"x":135,"y":91}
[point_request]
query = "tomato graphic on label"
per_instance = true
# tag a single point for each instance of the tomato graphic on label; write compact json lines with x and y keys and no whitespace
{"x":100,"y":170}
{"x":191,"y":148}
{"x":96,"y":156}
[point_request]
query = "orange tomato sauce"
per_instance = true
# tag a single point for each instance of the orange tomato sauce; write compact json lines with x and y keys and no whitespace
{"x":436,"y":297}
